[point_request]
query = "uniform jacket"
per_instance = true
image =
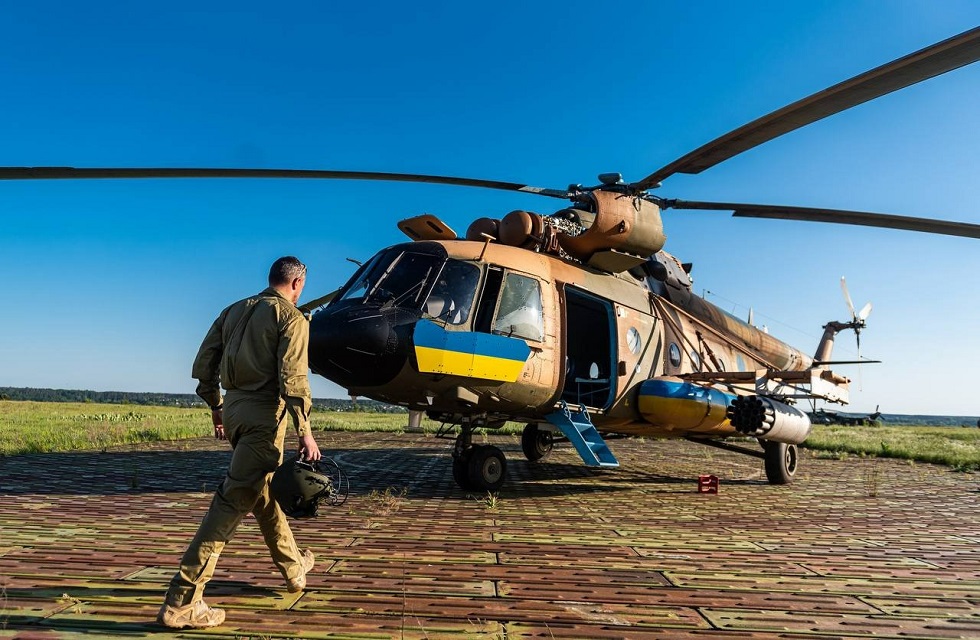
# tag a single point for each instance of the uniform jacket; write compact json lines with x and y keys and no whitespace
{"x":258,"y":345}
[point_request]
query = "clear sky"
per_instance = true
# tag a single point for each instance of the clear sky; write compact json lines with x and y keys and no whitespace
{"x":110,"y":285}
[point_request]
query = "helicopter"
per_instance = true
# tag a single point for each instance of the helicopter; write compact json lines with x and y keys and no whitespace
{"x":822,"y":416}
{"x":577,"y":322}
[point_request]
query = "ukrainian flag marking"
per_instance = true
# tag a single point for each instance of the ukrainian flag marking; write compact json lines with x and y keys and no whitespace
{"x":681,"y":405}
{"x":469,"y":353}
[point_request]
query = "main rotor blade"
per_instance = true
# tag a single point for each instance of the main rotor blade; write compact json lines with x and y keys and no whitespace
{"x":932,"y":61}
{"x":835,"y":216}
{"x":73,"y":173}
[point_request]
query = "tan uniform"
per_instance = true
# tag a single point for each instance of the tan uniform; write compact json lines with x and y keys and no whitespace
{"x":256,"y":349}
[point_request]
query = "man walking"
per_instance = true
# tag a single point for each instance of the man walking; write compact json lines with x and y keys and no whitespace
{"x":256,"y":349}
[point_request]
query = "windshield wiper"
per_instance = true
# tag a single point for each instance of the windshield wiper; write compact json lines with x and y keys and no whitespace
{"x":417,"y":286}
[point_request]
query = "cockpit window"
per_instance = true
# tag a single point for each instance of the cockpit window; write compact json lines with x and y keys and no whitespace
{"x":399,"y":278}
{"x":452,"y":295}
{"x":361,"y":284}
{"x":519,"y":312}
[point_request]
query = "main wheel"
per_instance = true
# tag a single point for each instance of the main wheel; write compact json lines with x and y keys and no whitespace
{"x":487,"y":468}
{"x":781,"y":461}
{"x":536,"y":443}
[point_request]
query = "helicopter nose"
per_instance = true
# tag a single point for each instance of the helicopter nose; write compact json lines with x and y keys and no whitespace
{"x":359,"y":345}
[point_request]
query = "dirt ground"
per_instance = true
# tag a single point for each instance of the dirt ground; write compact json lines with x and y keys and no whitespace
{"x":853,"y":548}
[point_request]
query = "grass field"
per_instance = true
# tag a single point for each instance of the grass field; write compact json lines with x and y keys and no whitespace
{"x":957,"y":447}
{"x":38,"y":427}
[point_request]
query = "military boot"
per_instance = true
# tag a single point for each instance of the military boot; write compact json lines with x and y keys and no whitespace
{"x":298,"y":583}
{"x":196,"y":615}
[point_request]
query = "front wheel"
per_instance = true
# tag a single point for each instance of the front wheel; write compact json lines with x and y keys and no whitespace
{"x":487,"y":468}
{"x":781,"y":461}
{"x":536,"y":443}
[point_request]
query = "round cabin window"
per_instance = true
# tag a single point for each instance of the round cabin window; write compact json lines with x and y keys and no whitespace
{"x":633,"y":340}
{"x":674,"y":355}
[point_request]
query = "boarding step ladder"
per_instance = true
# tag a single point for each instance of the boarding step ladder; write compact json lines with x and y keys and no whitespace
{"x":578,"y":428}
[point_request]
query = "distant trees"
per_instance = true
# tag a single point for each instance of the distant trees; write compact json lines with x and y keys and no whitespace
{"x":172,"y":399}
{"x":106,"y":397}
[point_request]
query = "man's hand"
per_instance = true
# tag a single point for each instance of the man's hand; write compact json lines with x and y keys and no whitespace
{"x":308,"y":449}
{"x":219,"y":426}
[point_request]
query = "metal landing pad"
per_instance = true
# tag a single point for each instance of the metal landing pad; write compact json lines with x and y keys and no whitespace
{"x":88,"y":542}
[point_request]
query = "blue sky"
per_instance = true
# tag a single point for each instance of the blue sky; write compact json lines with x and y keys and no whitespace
{"x":112,"y":284}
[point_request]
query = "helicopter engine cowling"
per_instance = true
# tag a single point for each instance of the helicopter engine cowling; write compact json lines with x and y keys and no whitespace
{"x":622,"y":223}
{"x":769,"y":419}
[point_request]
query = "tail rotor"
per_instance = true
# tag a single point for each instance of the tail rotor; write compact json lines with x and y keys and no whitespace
{"x":858,"y":321}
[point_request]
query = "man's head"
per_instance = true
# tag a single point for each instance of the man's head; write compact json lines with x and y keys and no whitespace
{"x":288,"y":276}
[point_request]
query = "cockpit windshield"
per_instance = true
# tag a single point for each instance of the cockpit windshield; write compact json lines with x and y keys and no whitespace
{"x":452,"y":296}
{"x":395,"y":277}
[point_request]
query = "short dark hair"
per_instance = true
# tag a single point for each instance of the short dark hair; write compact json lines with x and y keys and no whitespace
{"x":285,"y":270}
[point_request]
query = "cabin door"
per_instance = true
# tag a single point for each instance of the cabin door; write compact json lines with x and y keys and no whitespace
{"x":589,"y":349}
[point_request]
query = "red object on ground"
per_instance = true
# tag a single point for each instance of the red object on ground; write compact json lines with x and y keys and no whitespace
{"x":707,"y":484}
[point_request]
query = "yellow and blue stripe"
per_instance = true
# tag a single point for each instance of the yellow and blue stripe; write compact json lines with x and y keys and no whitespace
{"x":469,"y":354}
{"x":677,"y":404}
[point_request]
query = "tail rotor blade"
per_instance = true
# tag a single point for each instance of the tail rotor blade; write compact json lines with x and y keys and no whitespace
{"x":864,"y":312}
{"x":847,"y":296}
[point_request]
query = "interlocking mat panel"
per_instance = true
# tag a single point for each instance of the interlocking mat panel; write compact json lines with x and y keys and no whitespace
{"x":855,"y":548}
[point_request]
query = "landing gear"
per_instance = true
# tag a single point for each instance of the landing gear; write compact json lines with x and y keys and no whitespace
{"x":536,"y":443}
{"x":477,"y":467}
{"x":781,"y":461}
{"x":461,"y":461}
{"x":487,"y":468}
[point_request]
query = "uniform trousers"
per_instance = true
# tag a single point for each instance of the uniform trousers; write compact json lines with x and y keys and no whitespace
{"x":256,"y":427}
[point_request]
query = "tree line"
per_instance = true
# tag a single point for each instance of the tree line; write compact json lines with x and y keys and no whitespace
{"x":172,"y":399}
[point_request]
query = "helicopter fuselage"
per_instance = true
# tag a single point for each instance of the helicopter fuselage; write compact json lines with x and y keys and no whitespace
{"x":461,"y":328}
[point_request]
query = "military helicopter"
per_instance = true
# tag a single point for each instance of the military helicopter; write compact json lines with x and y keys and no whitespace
{"x":577,"y":322}
{"x":822,"y":416}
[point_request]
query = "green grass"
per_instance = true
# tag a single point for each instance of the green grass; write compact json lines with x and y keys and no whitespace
{"x":41,"y":427}
{"x":38,"y":427}
{"x":956,"y":447}
{"x":364,"y":421}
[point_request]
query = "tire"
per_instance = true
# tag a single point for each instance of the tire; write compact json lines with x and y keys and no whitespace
{"x":487,"y":468}
{"x":536,"y":443}
{"x":781,"y":462}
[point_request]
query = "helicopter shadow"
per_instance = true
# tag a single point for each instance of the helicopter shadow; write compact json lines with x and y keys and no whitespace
{"x":112,"y":472}
{"x":139,"y":596}
{"x":424,"y":472}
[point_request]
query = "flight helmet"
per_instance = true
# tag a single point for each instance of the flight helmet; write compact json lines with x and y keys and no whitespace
{"x":301,"y":486}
